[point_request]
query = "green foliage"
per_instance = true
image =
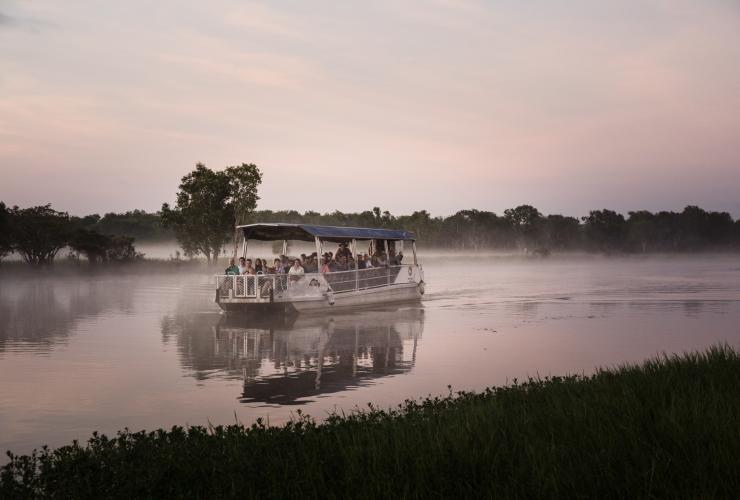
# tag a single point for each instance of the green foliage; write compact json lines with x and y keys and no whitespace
{"x":230,"y":198}
{"x":137,"y":224}
{"x":525,"y":227}
{"x":122,"y":249}
{"x":93,"y":245}
{"x":560,"y":232}
{"x":664,"y":429}
{"x":5,"y":236}
{"x":605,"y":230}
{"x":243,"y":182}
{"x":526,"y":221}
{"x":208,"y":205}
{"x":38,"y":233}
{"x":98,"y":247}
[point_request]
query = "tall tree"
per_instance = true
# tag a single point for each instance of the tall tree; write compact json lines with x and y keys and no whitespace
{"x":91,"y":244}
{"x":641,"y":229}
{"x":5,"y":241}
{"x":561,"y":232}
{"x":606,"y":230}
{"x":208,"y":206}
{"x":527,"y":224}
{"x":38,"y":233}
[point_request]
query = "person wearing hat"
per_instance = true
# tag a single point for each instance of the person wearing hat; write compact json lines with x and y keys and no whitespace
{"x":342,"y":251}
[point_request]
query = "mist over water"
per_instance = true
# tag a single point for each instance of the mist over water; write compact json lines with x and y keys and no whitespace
{"x":108,"y":351}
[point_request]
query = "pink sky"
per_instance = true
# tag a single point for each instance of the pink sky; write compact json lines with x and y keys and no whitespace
{"x":440,"y":105}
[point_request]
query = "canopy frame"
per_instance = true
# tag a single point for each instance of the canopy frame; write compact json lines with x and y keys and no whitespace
{"x":309,"y":232}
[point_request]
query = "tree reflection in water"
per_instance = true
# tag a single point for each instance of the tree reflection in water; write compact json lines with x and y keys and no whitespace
{"x":287,"y":361}
{"x":38,"y":313}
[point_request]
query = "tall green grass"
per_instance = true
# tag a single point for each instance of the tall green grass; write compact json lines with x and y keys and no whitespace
{"x":669,"y":428}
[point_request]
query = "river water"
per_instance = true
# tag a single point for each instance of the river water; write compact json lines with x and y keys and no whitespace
{"x":109,"y":351}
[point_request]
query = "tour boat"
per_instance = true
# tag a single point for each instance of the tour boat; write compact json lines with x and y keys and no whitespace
{"x":390,"y":283}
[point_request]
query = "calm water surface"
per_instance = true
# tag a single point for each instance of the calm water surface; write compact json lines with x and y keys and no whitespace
{"x":109,"y":351}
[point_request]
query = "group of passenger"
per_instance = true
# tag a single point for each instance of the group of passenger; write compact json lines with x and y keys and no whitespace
{"x":341,"y":260}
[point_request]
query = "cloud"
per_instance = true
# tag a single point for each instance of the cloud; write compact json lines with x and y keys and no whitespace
{"x":263,"y":19}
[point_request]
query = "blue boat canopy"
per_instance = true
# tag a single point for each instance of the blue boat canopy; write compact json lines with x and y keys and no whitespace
{"x":307,"y":232}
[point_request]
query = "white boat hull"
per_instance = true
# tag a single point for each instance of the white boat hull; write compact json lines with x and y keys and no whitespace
{"x":373,"y":296}
{"x":316,"y":292}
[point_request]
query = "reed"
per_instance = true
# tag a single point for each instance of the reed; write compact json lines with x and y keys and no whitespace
{"x":668,"y":428}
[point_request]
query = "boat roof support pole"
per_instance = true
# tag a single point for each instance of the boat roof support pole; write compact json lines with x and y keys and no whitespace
{"x":357,"y":265}
{"x":318,"y":252}
{"x":244,"y":248}
{"x":285,"y":248}
{"x":413,"y":248}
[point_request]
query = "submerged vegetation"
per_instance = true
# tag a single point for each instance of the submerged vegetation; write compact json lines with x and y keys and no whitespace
{"x":665,"y":429}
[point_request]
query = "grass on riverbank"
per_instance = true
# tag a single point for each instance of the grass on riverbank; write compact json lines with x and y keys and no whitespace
{"x":669,"y":428}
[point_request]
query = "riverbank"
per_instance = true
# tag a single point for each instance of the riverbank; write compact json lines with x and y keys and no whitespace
{"x":666,"y":428}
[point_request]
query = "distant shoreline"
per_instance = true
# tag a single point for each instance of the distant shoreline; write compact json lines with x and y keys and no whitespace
{"x":65,"y":266}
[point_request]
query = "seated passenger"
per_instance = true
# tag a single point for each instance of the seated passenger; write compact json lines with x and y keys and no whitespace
{"x":368,"y":262}
{"x":343,"y":251}
{"x":258,"y":267}
{"x":296,"y":270}
{"x":311,"y":265}
{"x":360,"y":262}
{"x":232,"y":269}
{"x":242,"y":265}
{"x":286,"y":262}
{"x":393,"y":259}
{"x":325,"y":265}
{"x":381,"y":259}
{"x":278,"y":267}
{"x":333,"y":266}
{"x":250,"y":268}
{"x":341,"y":264}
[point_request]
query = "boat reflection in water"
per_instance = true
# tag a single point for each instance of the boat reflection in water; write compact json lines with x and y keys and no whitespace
{"x":288,"y":361}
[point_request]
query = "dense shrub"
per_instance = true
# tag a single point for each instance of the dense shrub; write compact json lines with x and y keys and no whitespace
{"x":665,"y":429}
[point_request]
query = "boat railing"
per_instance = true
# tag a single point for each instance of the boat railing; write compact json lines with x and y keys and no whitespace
{"x":246,"y":286}
{"x":265,"y":286}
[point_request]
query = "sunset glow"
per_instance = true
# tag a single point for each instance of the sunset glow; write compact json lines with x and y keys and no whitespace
{"x":618,"y":104}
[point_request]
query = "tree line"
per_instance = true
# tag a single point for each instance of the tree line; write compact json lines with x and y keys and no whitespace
{"x":39,"y":233}
{"x":210,"y":203}
{"x":525,"y":228}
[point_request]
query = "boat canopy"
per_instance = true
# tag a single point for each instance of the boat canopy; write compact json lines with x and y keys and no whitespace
{"x":308,"y":232}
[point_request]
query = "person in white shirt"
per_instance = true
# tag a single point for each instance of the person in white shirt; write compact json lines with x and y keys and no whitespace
{"x":242,"y":265}
{"x":296,"y":270}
